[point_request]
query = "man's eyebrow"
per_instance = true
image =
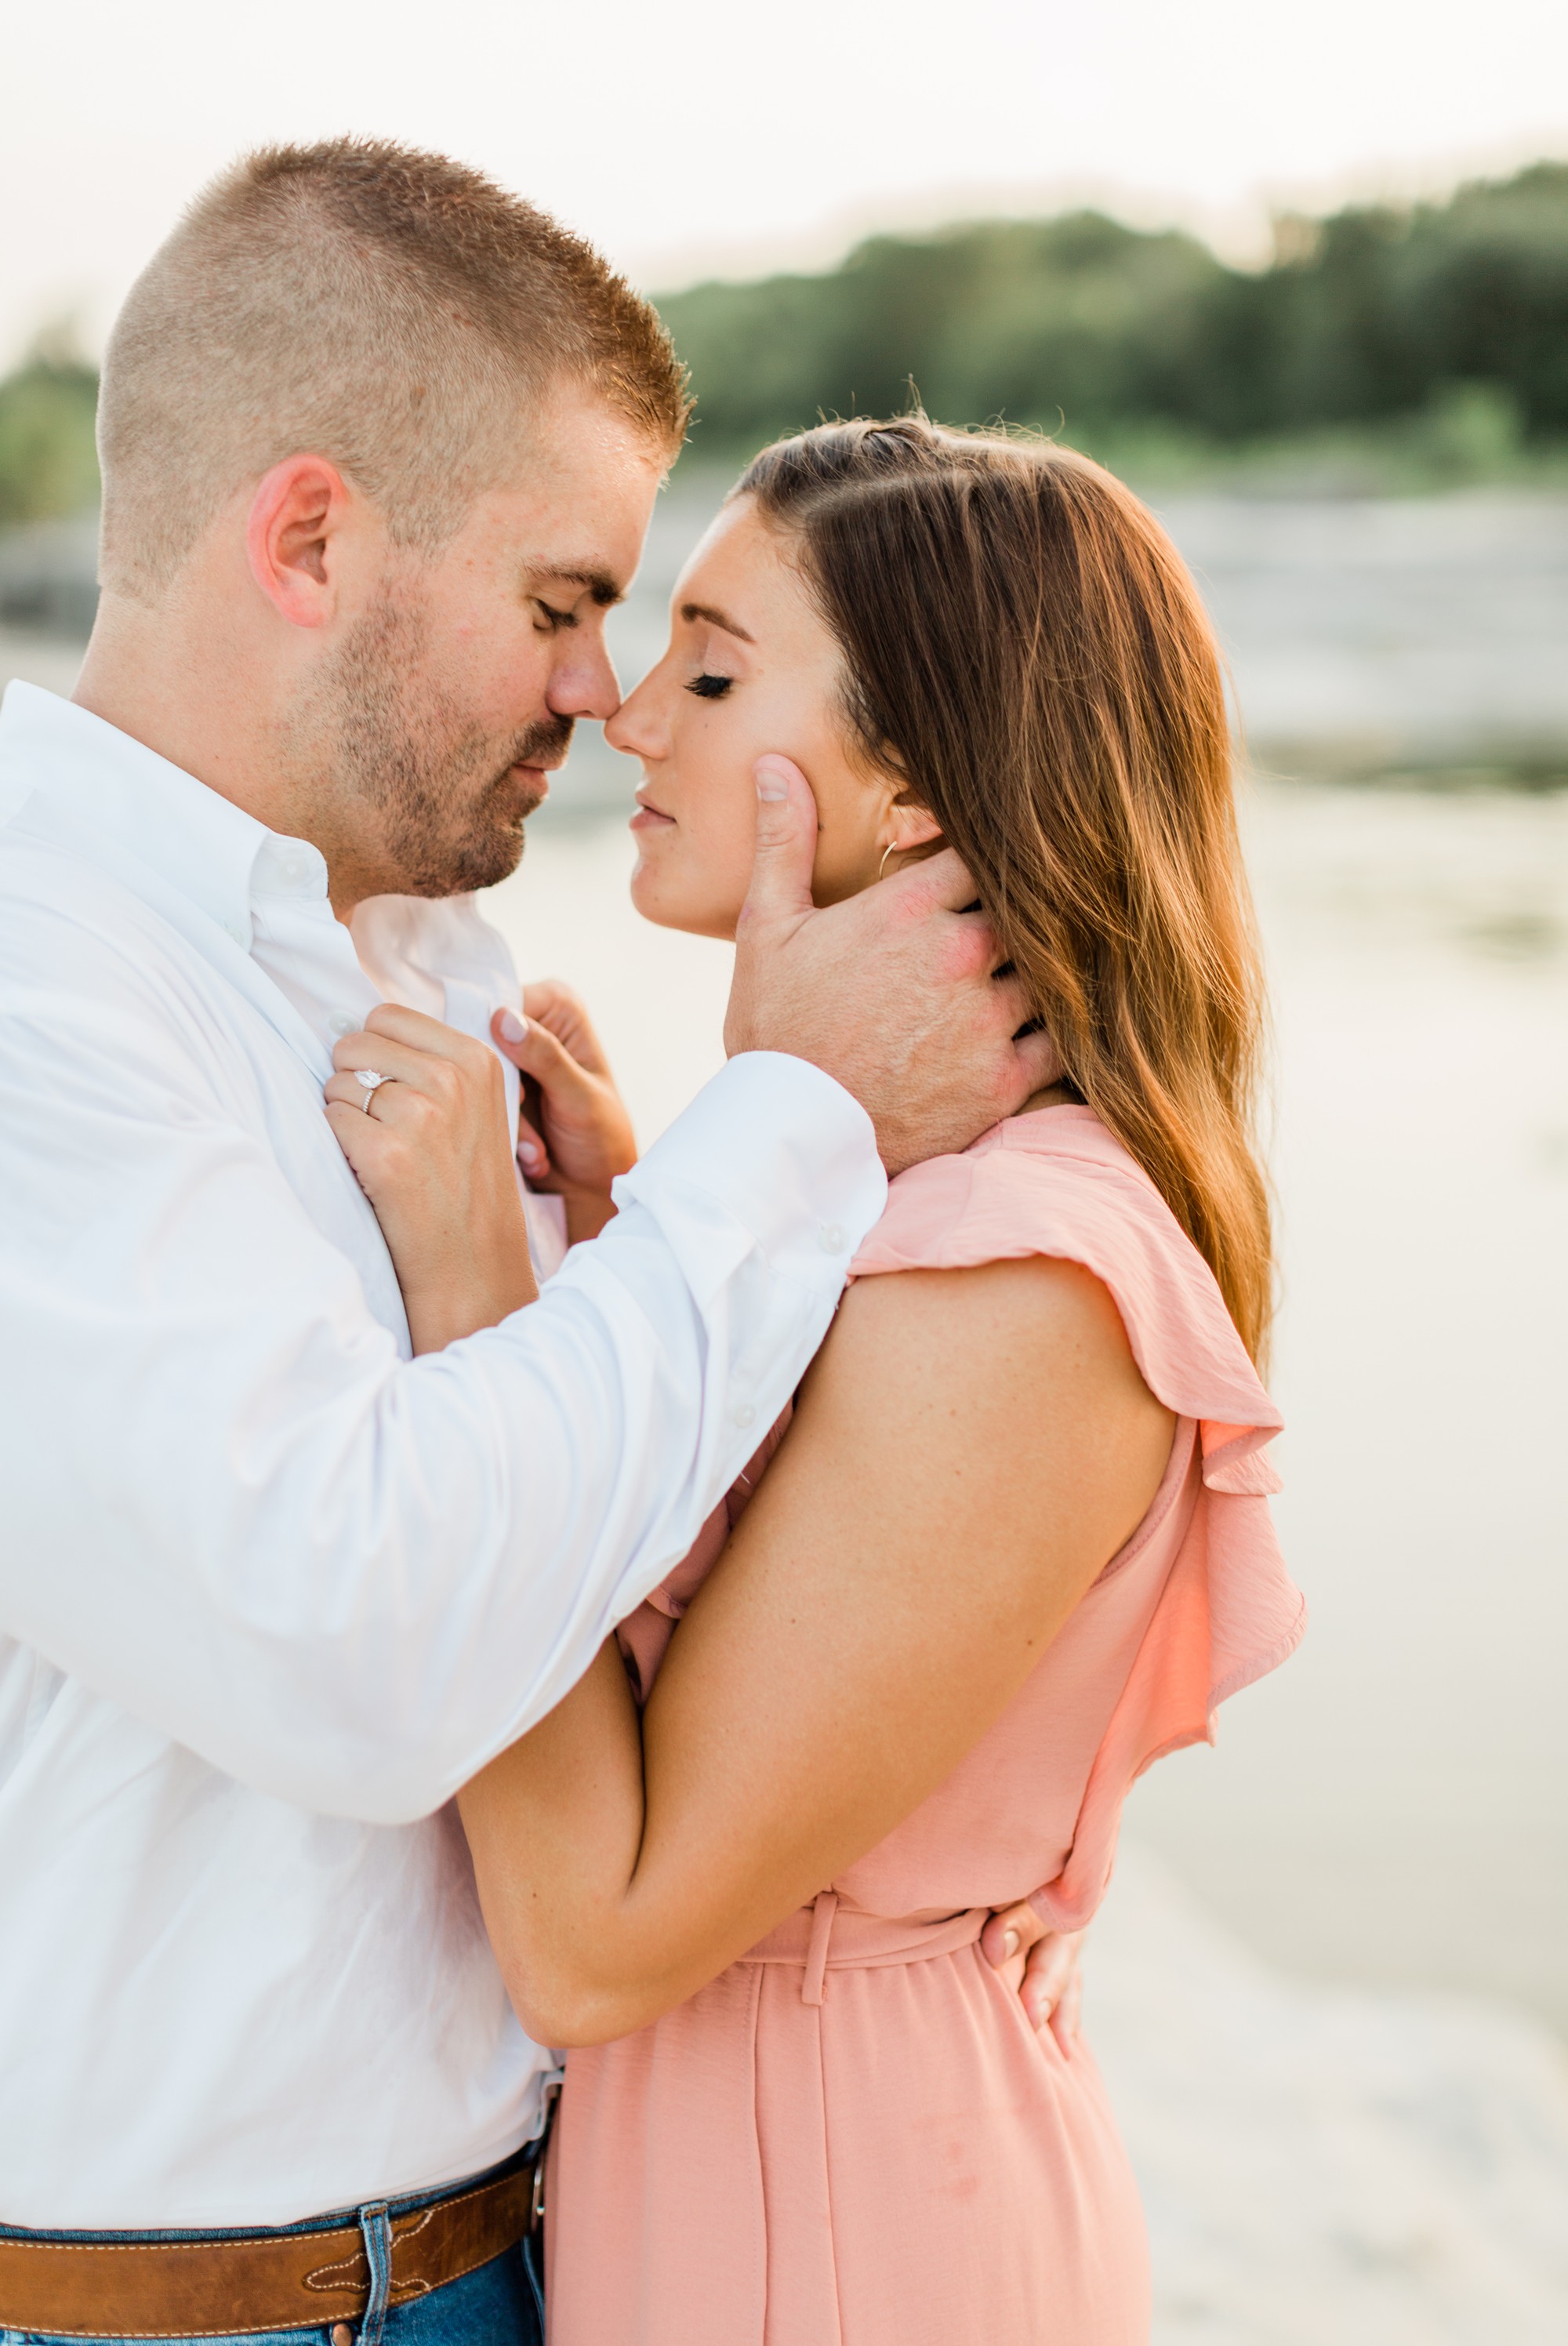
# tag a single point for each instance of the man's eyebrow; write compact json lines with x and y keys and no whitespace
{"x":716,"y":618}
{"x":599,"y":583}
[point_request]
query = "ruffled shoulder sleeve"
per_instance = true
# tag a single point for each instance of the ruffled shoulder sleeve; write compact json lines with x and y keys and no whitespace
{"x":1057,"y":1183}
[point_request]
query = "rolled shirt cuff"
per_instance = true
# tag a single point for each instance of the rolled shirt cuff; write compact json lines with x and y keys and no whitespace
{"x":788,"y":1156}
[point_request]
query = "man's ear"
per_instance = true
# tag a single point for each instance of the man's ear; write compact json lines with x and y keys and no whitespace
{"x":297,"y":515}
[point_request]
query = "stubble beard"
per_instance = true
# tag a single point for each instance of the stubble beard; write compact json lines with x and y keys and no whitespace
{"x":431,"y":798}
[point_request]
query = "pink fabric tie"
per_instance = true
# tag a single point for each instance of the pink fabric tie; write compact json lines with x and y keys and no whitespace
{"x":829,"y":1936}
{"x":814,"y":1986}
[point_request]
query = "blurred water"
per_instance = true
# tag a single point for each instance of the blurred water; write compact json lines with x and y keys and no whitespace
{"x":1378,"y":633}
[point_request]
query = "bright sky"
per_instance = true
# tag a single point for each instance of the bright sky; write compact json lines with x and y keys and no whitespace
{"x":728,"y":136}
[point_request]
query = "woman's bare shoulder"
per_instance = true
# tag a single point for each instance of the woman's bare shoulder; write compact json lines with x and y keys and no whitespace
{"x":1042,"y":1309}
{"x":997,"y":1377}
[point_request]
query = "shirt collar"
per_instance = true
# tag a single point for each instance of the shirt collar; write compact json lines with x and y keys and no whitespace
{"x":117,"y":795}
{"x":122,"y":803}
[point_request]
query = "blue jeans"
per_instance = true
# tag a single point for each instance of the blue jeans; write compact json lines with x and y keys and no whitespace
{"x":500,"y":2304}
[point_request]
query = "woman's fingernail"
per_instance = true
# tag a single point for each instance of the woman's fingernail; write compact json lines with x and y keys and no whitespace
{"x":771,"y":782}
{"x":514,"y":1028}
{"x":1010,"y":1943}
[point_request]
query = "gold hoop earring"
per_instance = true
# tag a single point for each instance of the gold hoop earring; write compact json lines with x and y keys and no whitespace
{"x":888,"y":850}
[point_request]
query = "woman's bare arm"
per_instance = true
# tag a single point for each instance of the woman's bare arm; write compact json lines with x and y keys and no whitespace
{"x":970,"y":1449}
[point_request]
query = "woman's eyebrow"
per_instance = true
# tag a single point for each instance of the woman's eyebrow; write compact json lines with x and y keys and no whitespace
{"x":716,"y":618}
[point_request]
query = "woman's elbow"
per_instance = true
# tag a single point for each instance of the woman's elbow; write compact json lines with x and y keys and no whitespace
{"x":560,"y":2005}
{"x":562,"y":2017}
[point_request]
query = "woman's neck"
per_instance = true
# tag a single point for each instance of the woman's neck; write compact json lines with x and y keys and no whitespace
{"x":1053,"y":1096}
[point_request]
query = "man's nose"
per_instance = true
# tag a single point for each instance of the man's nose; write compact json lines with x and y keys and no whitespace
{"x":585,"y":684}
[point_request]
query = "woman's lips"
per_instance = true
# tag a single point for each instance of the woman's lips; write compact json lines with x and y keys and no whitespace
{"x":649,"y":818}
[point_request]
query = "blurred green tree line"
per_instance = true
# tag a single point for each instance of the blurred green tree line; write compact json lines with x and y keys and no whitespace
{"x":1079,"y":323}
{"x":1455,"y":312}
{"x":48,"y":463}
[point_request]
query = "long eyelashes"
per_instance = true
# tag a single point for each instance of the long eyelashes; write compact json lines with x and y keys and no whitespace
{"x":710,"y":687}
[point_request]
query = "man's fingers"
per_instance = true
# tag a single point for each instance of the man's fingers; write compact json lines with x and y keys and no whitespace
{"x":1038,"y":1062}
{"x":1050,"y":1988}
{"x":1010,"y":1929}
{"x":1045,"y":1975}
{"x":1011,"y":1002}
{"x":1067,"y":2016}
{"x":786,"y":843}
{"x":942,"y":881}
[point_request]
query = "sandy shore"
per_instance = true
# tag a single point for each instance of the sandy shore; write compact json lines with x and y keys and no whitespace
{"x":1322,"y":2166}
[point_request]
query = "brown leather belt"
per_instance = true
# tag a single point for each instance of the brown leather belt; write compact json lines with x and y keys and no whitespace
{"x":280,"y":2280}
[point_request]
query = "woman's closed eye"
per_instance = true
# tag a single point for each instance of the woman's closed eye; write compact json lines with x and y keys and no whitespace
{"x":710,"y":687}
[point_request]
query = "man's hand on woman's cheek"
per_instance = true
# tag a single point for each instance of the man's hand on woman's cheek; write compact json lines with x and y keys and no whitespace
{"x":901,"y":993}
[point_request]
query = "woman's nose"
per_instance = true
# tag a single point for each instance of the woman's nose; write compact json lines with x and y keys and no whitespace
{"x":634,"y":727}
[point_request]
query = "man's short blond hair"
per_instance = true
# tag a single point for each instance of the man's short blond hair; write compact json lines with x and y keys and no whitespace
{"x":395,"y":312}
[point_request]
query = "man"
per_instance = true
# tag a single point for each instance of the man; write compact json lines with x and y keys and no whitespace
{"x":380,"y":444}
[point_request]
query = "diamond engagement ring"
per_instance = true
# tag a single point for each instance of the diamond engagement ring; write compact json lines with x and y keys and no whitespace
{"x":368,"y":1079}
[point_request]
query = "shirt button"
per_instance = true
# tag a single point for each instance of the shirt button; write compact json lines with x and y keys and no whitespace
{"x":745,"y":1415}
{"x":342,"y":1024}
{"x":831,"y":1239}
{"x":292,"y":868}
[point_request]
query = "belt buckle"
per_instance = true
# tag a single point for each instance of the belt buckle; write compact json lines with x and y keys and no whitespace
{"x":537,"y":2199}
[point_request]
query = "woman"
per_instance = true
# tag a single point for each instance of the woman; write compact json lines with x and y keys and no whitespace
{"x":1015,"y":1544}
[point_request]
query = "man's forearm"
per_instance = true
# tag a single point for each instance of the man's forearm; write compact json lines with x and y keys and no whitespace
{"x":350,"y":1579}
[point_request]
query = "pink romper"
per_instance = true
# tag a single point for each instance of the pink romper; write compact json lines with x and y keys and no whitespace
{"x":852,"y":2136}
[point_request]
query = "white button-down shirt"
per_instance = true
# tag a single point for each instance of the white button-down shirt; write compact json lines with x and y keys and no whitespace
{"x":269,"y":1589}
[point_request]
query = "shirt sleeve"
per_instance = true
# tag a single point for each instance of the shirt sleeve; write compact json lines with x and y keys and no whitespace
{"x":342,"y":1576}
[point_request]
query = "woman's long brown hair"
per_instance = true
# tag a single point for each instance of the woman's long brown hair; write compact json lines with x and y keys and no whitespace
{"x":1024,"y":648}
